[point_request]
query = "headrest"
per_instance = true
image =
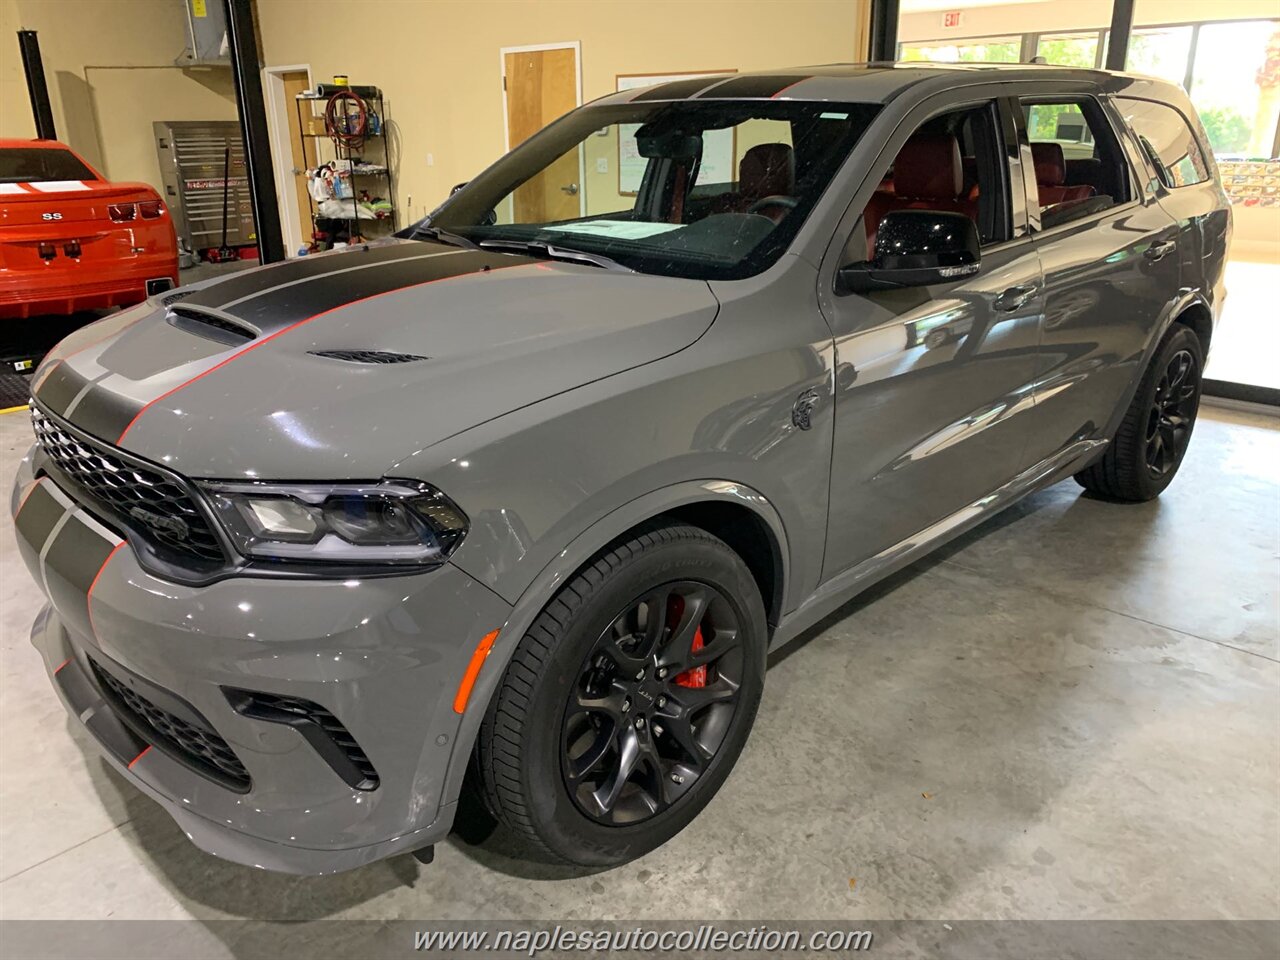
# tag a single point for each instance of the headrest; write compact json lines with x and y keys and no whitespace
{"x":928,"y":168}
{"x":766,"y":170}
{"x":1051,"y":166}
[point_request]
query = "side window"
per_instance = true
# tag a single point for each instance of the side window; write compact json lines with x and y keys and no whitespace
{"x":1168,"y":141}
{"x":953,"y":163}
{"x":1080,"y":169}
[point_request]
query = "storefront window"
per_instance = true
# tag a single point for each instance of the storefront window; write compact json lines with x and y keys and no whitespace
{"x":1069,"y":49}
{"x":989,"y":49}
{"x":1236,"y":86}
{"x":1160,"y":52}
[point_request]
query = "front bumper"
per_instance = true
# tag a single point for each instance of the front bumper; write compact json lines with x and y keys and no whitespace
{"x":382,"y":655}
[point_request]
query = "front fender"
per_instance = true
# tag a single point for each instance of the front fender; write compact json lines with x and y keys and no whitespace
{"x":556,"y":573}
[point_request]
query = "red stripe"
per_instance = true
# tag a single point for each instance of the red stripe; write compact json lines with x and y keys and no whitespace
{"x":293,"y":326}
{"x":96,"y":576}
{"x":145,"y":751}
{"x":61,"y":665}
{"x":788,"y":87}
{"x":30,"y":490}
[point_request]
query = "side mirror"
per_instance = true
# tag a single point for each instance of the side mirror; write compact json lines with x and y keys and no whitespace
{"x":915,"y":248}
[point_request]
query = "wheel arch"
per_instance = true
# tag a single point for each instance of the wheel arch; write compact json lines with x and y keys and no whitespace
{"x":738,"y":514}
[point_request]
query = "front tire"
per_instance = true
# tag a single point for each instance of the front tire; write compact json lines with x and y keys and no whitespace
{"x":628,"y":701}
{"x":1148,"y":448}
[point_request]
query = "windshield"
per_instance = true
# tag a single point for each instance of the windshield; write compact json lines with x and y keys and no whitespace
{"x":39,"y":164}
{"x":712,"y":190}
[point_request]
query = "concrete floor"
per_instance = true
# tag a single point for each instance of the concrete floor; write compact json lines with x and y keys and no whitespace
{"x":1071,"y":713}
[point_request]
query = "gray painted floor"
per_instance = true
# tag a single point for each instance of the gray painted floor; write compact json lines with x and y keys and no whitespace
{"x":1073,"y":712}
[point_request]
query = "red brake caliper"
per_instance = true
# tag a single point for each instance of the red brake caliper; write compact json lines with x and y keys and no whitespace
{"x":696,"y":677}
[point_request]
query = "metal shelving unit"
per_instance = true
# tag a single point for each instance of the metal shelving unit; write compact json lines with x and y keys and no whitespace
{"x":344,"y":153}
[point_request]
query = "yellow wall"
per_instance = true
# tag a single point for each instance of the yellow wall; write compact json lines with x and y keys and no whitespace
{"x":109,"y":68}
{"x":438,"y":62}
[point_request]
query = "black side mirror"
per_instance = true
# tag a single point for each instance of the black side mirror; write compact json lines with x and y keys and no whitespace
{"x":915,"y":248}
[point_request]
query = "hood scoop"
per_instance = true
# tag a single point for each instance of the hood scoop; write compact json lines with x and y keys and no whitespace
{"x":211,"y":326}
{"x":367,"y":356}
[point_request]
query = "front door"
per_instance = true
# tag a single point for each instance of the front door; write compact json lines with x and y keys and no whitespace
{"x":933,"y":384}
{"x":542,"y":86}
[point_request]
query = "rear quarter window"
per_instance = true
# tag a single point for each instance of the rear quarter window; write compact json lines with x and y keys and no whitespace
{"x":1168,"y":141}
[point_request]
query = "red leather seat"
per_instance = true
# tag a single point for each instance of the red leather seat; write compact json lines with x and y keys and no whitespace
{"x":927,"y":175}
{"x":1051,"y":176}
{"x":766,"y":170}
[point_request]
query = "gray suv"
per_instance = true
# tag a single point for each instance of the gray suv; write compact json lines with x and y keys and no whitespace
{"x":509,"y":510}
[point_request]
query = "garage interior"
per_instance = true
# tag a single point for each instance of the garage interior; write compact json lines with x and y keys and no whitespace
{"x":1071,"y":713}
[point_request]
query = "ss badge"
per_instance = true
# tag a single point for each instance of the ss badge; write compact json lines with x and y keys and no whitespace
{"x":50,"y":216}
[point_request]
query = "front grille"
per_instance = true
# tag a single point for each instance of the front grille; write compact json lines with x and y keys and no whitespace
{"x":157,"y":502}
{"x":318,"y":726}
{"x":199,"y":747}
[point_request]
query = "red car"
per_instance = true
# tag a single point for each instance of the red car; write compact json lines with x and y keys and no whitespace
{"x":71,"y":240}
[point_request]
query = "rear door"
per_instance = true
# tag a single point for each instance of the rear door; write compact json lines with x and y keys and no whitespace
{"x":1109,"y":254}
{"x":933,"y":384}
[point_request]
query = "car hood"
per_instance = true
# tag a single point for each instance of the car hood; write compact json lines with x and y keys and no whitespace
{"x":268,"y":373}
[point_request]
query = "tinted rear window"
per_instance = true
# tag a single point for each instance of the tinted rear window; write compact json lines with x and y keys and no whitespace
{"x":36,"y":164}
{"x":1168,"y":141}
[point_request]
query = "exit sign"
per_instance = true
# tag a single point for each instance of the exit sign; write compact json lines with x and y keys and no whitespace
{"x":951,"y":18}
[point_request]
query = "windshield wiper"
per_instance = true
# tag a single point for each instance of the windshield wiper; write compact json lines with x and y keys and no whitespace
{"x":541,"y":248}
{"x":442,"y":236}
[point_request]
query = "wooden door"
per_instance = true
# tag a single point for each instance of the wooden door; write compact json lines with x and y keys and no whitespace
{"x":302,"y":151}
{"x":541,"y":86}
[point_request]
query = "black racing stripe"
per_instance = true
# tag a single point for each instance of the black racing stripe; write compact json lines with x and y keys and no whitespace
{"x":276,"y":310}
{"x":761,"y":87}
{"x":104,"y":413}
{"x":70,"y":566}
{"x":249,"y":282}
{"x":60,"y":387}
{"x":39,"y":513}
{"x":677,"y":89}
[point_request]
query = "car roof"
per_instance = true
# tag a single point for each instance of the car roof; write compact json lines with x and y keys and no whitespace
{"x":11,"y":143}
{"x":853,"y":82}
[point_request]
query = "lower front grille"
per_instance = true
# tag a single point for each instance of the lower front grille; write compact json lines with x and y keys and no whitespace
{"x":196,"y":745}
{"x":320,"y":728}
{"x":156,"y":502}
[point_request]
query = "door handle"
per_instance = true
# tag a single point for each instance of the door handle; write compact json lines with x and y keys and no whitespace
{"x":1015,"y":297}
{"x":571,"y":189}
{"x":1160,"y":250}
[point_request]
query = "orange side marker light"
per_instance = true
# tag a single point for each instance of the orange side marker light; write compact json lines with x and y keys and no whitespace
{"x":473,"y":671}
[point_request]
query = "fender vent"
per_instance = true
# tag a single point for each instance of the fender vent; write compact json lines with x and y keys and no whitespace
{"x":211,"y":326}
{"x":368,"y":356}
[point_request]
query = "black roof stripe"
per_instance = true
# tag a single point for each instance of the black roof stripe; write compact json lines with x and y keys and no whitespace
{"x":753,"y":87}
{"x":678,"y":89}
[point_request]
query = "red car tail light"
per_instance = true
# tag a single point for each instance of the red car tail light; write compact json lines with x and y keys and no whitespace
{"x":151,"y":209}
{"x":122,"y":212}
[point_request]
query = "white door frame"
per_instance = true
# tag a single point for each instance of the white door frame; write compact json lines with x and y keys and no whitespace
{"x":576,"y":47}
{"x":291,"y":218}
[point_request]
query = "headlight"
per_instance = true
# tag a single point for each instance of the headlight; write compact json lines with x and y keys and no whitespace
{"x":393,"y":522}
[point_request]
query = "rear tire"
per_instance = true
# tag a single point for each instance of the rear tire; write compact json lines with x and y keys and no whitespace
{"x":1148,"y":448}
{"x":603,"y":740}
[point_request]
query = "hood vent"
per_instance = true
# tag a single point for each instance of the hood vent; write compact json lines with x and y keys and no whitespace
{"x":175,"y":297}
{"x":368,"y":356}
{"x":211,"y":326}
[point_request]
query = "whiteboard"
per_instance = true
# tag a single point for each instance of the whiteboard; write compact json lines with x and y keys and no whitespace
{"x":717,"y":145}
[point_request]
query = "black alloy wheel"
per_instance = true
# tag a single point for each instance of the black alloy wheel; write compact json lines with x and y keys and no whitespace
{"x":628,"y":700}
{"x":654,"y":700}
{"x":1151,"y":440}
{"x":1173,"y":410}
